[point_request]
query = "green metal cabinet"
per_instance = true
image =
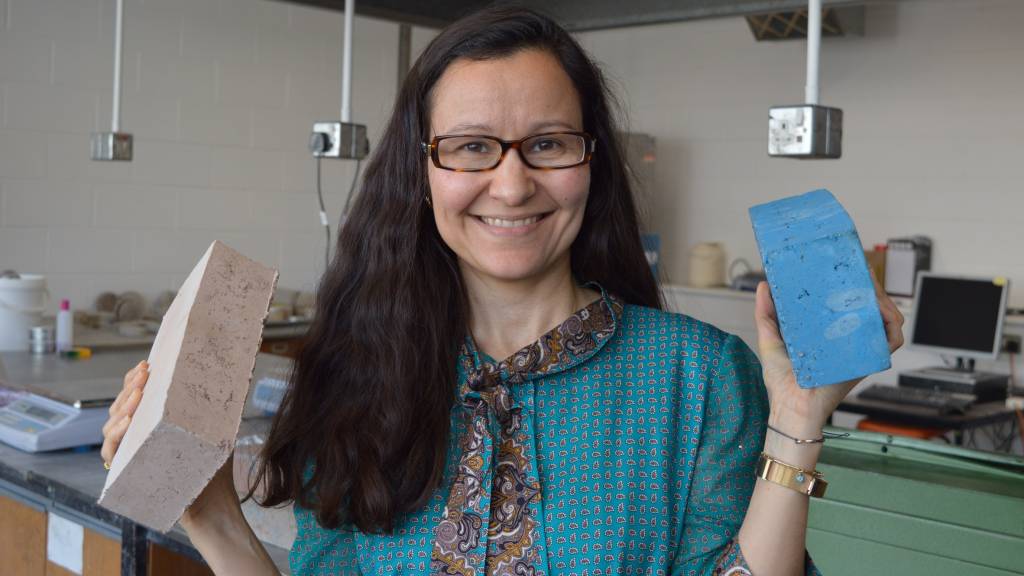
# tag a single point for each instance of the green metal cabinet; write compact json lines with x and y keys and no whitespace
{"x":904,"y":506}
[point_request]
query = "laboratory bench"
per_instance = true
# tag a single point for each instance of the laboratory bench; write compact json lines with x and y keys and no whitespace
{"x":894,"y":505}
{"x":67,"y":483}
{"x":898,"y":505}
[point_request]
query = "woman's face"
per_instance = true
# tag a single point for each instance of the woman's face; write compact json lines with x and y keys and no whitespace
{"x":514,"y":222}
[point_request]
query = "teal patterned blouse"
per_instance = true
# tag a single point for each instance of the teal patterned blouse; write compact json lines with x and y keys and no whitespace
{"x":623,"y":441}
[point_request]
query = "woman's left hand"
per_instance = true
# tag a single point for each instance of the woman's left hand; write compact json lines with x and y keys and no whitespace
{"x":800,"y":411}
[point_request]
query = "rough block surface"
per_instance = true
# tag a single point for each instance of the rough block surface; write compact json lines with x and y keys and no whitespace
{"x":824,"y":297}
{"x":200,"y":367}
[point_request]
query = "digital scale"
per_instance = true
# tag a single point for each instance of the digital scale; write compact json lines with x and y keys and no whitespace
{"x":47,"y":403}
{"x":34,"y":423}
{"x":52,"y":403}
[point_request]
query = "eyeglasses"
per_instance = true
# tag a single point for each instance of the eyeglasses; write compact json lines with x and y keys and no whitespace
{"x":550,"y":151}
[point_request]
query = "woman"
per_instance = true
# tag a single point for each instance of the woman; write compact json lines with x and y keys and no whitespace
{"x":496,"y":222}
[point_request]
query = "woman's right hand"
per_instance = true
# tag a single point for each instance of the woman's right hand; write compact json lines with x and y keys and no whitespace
{"x":214,"y":522}
{"x":122,"y":410}
{"x":221,"y":488}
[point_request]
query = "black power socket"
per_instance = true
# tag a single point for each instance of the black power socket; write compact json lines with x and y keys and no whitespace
{"x":1011,"y":344}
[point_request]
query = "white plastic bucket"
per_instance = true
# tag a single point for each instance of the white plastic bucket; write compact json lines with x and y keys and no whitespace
{"x":22,"y":303}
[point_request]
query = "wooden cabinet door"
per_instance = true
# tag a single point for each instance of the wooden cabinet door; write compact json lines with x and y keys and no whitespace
{"x":22,"y":538}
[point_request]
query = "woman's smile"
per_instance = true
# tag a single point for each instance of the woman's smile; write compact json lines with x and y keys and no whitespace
{"x":511,"y":226}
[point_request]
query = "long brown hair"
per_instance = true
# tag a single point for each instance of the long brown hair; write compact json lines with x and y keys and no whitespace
{"x":362,"y":433}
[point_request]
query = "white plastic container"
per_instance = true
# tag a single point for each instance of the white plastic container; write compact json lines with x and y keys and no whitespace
{"x":22,"y":303}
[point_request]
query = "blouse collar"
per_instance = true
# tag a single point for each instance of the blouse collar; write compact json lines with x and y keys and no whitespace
{"x":572,"y":342}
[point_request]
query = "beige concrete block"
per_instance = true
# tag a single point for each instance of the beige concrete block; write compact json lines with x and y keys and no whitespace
{"x":200,"y":367}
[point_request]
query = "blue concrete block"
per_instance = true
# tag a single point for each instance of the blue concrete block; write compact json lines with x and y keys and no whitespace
{"x":828,"y":313}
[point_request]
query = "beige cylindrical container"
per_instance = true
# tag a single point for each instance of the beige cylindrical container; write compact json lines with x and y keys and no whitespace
{"x":707,"y":265}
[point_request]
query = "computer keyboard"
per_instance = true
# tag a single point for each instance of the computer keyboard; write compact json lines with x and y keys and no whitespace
{"x":943,"y":402}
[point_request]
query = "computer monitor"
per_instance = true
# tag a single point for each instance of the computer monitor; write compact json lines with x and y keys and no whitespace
{"x":958,"y":315}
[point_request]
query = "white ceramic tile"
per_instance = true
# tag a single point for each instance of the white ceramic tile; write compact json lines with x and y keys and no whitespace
{"x":25,"y":58}
{"x":219,"y":125}
{"x":211,"y":34}
{"x":77,"y":20}
{"x":22,"y":154}
{"x":279,"y":48}
{"x":282,"y":130}
{"x":252,"y":85}
{"x":145,"y":118}
{"x":72,"y":287}
{"x":302,"y":260}
{"x":84,"y":66}
{"x":290,"y":211}
{"x":169,"y":251}
{"x":23,"y":250}
{"x":89,"y":251}
{"x":47,"y":203}
{"x":315,"y":21}
{"x":215,"y":209}
{"x":163,"y":75}
{"x":245,"y":168}
{"x":156,"y":26}
{"x":39,"y":107}
{"x":136,"y":206}
{"x":171,"y":163}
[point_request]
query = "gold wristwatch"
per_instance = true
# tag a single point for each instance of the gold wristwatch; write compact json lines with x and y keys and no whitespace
{"x":809,"y":482}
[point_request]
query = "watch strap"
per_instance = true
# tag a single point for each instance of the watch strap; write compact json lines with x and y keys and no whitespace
{"x":808,"y":482}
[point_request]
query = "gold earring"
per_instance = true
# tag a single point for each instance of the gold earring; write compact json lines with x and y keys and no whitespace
{"x":429,"y":202}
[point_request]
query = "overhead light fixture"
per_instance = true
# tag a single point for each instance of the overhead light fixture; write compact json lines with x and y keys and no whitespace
{"x":809,"y":130}
{"x":114,"y":145}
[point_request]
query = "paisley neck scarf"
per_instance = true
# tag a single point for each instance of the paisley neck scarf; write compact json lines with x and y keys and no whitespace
{"x":490,"y":525}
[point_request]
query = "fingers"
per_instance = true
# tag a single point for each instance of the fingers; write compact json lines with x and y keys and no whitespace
{"x":131,"y":373}
{"x":892,"y":318}
{"x":122,"y":410}
{"x":765,"y":317}
{"x":112,"y":439}
{"x":135,"y":379}
{"x":771,"y":348}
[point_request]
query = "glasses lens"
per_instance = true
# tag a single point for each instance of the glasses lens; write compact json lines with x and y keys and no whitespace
{"x":468,"y":152}
{"x":555,"y":150}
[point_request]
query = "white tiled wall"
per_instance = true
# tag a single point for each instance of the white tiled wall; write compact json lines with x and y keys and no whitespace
{"x":220,"y":96}
{"x":933,"y":102}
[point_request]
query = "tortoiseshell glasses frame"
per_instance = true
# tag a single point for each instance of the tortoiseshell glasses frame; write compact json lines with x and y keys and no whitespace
{"x":489,"y":160}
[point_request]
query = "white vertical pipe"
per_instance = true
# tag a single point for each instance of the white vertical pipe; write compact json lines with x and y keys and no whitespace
{"x":813,"y":49}
{"x":346,"y":63}
{"x":115,"y":115}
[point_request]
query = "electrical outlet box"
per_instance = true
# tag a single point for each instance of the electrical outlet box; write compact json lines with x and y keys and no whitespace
{"x":805,"y":131}
{"x":342,"y":140}
{"x":111,"y":146}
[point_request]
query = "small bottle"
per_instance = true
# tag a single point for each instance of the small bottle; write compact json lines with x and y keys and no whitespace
{"x":65,"y":327}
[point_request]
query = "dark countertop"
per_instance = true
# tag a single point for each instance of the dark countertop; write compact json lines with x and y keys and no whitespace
{"x":74,"y":478}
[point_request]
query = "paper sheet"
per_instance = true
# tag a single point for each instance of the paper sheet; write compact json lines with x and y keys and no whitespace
{"x":64,"y":543}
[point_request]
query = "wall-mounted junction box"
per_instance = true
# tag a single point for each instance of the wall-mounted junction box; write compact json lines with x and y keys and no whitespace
{"x":340,"y":140}
{"x":805,"y":131}
{"x":111,"y":146}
